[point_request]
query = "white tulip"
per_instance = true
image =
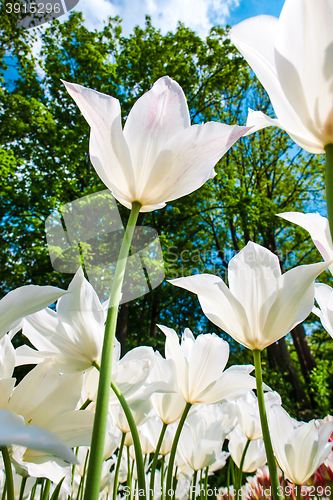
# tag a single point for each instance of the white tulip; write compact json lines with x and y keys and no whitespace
{"x":72,"y":336}
{"x":261,"y":305}
{"x":300,"y":448}
{"x":198,"y":364}
{"x":292,"y":58}
{"x":158,"y":156}
{"x":255,"y":455}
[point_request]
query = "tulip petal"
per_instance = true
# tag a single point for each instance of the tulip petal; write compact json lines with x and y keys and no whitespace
{"x":7,"y":358}
{"x":231,"y":384}
{"x":294,"y":301}
{"x":73,"y":427}
{"x":6,"y":389}
{"x":155,"y":118}
{"x":109,"y":152}
{"x":252,"y":276}
{"x":24,"y":301}
{"x":319,"y":230}
{"x":13,"y":430}
{"x":48,"y":400}
{"x":324,"y":297}
{"x":188,"y":160}
{"x":218,"y":304}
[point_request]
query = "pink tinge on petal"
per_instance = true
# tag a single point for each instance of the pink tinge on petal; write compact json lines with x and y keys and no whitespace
{"x":322,"y":250}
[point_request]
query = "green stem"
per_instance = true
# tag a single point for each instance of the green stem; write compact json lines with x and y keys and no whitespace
{"x":162,"y":477}
{"x":241,"y":465}
{"x":173,"y":450}
{"x":9,"y":473}
{"x":233,"y":475}
{"x":174,"y":484}
{"x":33,"y":491}
{"x":153,"y":465}
{"x":81,"y":485}
{"x":46,"y":491}
{"x":85,"y":404}
{"x":129,"y":473}
{"x":140,"y":468}
{"x":102,"y":403}
{"x":116,"y":472}
{"x":264,"y":427}
{"x":134,"y":431}
{"x":298,"y":492}
{"x":70,"y":497}
{"x":329,"y":184}
{"x":23,"y":482}
{"x":228,"y":477}
{"x":284,"y":485}
{"x":201,"y":486}
{"x":206,"y":482}
{"x":194,"y":484}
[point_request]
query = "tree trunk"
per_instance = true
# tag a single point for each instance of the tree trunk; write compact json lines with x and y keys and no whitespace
{"x":154,"y":314}
{"x":303,"y":351}
{"x":123,"y":326}
{"x":293,"y":377}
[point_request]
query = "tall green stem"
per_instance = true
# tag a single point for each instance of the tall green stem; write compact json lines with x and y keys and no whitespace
{"x":174,"y":484}
{"x":101,"y":412}
{"x":140,"y":468}
{"x":46,"y":492}
{"x":162,"y":476}
{"x":153,"y":465}
{"x":264,"y":427}
{"x":194,"y":484}
{"x":329,"y":184}
{"x":168,"y":492}
{"x":134,"y":431}
{"x":23,"y":483}
{"x":228,"y":477}
{"x":9,"y":473}
{"x":206,"y":482}
{"x":129,"y":473}
{"x":241,"y":465}
{"x":116,"y":472}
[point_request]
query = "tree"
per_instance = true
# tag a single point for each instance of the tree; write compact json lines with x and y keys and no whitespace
{"x":45,"y":165}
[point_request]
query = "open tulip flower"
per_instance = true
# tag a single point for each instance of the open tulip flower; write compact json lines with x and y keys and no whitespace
{"x":158,"y":156}
{"x":292,"y":57}
{"x":200,"y":444}
{"x":300,"y":448}
{"x":246,"y":411}
{"x":198,"y":365}
{"x":261,"y":305}
{"x":255,"y":456}
{"x":73,"y":335}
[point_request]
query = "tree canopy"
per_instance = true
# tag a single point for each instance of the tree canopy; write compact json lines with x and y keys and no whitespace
{"x":45,"y":164}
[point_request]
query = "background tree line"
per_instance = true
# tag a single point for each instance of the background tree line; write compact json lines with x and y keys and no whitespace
{"x":45,"y":164}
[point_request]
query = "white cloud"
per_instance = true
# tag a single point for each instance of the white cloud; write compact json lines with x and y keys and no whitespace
{"x":199,"y":15}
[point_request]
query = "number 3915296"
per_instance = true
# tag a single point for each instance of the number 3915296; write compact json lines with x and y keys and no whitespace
{"x":32,"y":8}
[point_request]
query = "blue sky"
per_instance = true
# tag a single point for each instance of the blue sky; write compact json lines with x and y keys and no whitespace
{"x":250,"y":8}
{"x":199,"y":15}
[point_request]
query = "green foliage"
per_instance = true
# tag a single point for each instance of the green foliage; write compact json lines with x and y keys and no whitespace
{"x":45,"y":164}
